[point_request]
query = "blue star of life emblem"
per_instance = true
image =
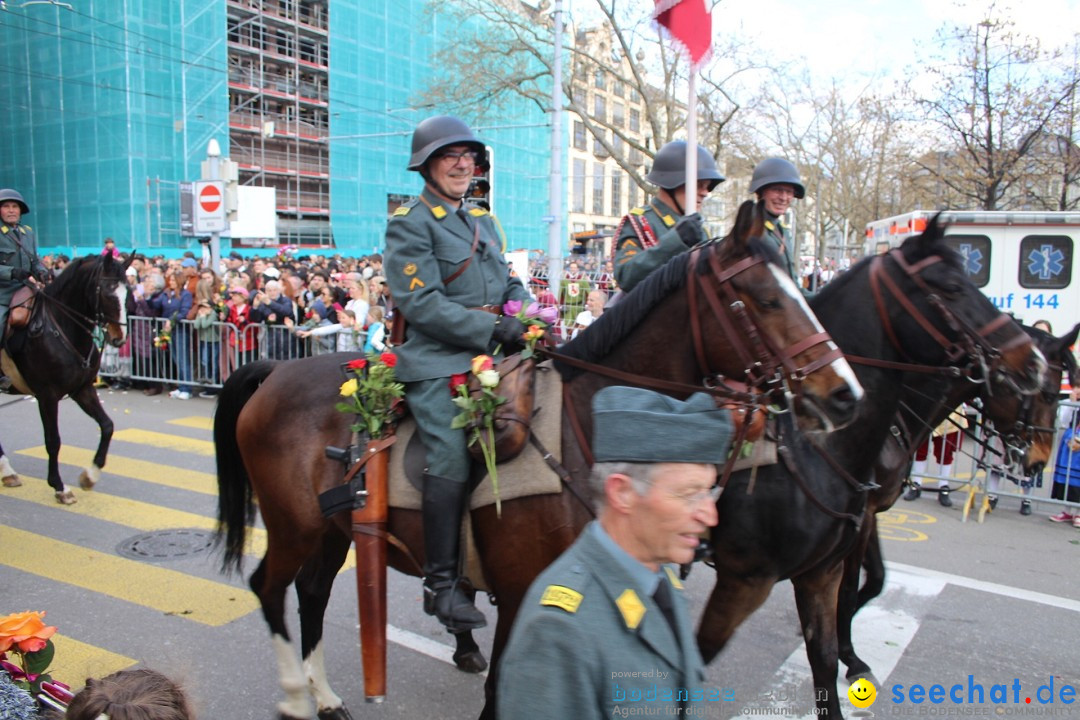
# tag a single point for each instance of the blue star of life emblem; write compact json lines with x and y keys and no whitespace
{"x":972,"y":258}
{"x":1046,"y":262}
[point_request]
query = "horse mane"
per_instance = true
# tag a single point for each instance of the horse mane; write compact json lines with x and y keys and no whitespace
{"x":598,"y":340}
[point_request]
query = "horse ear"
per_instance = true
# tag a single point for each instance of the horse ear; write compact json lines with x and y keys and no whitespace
{"x":746,"y":222}
{"x":1069,"y":338}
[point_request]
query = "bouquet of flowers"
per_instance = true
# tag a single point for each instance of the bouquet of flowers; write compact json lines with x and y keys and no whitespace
{"x":372,"y":393}
{"x":162,"y":339}
{"x":477,"y":416}
{"x":25,"y":654}
{"x":535,"y":317}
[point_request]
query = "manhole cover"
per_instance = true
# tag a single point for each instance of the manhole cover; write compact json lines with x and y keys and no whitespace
{"x":166,"y":544}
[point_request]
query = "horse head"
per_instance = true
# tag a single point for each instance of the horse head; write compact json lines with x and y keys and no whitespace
{"x":1027,"y":422}
{"x":791,"y":350}
{"x":935,"y":296}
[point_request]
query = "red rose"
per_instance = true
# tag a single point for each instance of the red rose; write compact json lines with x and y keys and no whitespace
{"x":388,"y":359}
{"x":358,"y":364}
{"x":456,"y":380}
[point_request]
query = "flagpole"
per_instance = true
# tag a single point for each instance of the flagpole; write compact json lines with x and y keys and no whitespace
{"x":690,"y":201}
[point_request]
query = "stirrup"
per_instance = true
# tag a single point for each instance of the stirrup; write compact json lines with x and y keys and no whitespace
{"x":460,"y":597}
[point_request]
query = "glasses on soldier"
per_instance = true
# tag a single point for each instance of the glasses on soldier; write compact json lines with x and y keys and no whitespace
{"x":470,"y":156}
{"x":691,"y":498}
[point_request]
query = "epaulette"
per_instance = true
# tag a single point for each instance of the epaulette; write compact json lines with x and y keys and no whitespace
{"x":402,"y":211}
{"x":562,"y":597}
{"x":478,"y":212}
{"x":638,"y":211}
{"x":4,"y":228}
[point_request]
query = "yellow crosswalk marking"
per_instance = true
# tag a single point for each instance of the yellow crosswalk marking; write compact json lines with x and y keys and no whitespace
{"x":167,"y":591}
{"x":130,"y":513}
{"x":181,"y":478}
{"x":165,"y":441}
{"x":195,"y":421}
{"x":75,"y":661}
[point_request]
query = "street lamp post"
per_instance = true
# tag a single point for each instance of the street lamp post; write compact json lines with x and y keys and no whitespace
{"x":213,"y":158}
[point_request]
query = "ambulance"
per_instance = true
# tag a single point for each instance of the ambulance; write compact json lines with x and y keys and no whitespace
{"x":1026,"y":262}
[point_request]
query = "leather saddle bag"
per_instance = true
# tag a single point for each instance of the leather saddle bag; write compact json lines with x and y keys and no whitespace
{"x":22,"y":303}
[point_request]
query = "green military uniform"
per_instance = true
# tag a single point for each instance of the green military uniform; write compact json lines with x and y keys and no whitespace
{"x":590,"y":641}
{"x":645,"y":240}
{"x":778,"y":232}
{"x":427,"y":242}
{"x":18,"y":250}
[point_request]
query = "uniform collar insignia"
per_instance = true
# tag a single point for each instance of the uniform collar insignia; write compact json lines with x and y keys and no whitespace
{"x":673,"y":578}
{"x":631,"y":607}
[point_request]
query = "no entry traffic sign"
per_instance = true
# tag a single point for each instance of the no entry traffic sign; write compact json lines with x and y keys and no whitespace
{"x":209,"y":208}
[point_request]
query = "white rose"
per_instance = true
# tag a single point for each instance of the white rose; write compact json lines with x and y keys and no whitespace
{"x":488,"y":378}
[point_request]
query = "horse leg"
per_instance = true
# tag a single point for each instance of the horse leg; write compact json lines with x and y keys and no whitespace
{"x":269,"y":582}
{"x":732,"y":600}
{"x":815,"y":597}
{"x":467,"y":654}
{"x":87,"y":399}
{"x":874,"y":563}
{"x":847,"y":601}
{"x":8,"y":476}
{"x":313,"y":586}
{"x":49,"y":410}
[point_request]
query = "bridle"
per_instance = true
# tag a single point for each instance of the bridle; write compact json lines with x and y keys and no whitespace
{"x":769,"y":368}
{"x":984,"y":360}
{"x":87,"y":323}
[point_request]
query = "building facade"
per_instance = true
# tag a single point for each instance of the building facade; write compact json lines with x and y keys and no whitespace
{"x":115,"y":103}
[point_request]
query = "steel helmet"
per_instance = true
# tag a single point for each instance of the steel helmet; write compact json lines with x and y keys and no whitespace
{"x":438,"y":132}
{"x":669,"y":167}
{"x":9,"y":194}
{"x":771,"y":171}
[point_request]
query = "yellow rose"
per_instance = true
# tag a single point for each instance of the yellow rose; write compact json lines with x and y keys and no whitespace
{"x":24,"y":630}
{"x":480,"y":363}
{"x":349,"y":387}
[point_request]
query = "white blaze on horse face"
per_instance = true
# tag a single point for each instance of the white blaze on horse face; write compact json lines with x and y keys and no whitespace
{"x":840,"y":366}
{"x":121,"y":297}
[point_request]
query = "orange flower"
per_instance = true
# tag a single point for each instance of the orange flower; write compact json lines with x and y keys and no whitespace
{"x":534,"y":333}
{"x":481,"y":363}
{"x":24,"y":630}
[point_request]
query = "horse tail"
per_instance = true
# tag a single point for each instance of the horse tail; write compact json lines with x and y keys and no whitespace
{"x":236,"y":507}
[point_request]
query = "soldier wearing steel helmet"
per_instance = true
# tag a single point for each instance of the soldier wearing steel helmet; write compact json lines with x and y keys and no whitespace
{"x":19,"y":261}
{"x":776,"y":183}
{"x":448,"y":279}
{"x":651,"y":235}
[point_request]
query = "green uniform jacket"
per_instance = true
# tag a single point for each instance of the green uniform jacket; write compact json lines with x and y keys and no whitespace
{"x":633,"y":261}
{"x":776,"y":230}
{"x":427,"y":241}
{"x":584,"y":629}
{"x":18,"y":249}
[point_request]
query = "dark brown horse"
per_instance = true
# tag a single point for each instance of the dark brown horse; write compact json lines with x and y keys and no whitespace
{"x":274,"y":420}
{"x":918,"y":324}
{"x":1026,"y":423}
{"x":56,"y":354}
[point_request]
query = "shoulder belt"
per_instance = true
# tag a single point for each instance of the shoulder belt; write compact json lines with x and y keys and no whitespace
{"x":642,"y":230}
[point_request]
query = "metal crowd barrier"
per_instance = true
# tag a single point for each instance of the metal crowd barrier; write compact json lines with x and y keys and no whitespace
{"x":203,"y":357}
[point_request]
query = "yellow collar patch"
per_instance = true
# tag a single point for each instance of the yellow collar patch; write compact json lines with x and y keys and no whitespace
{"x":631,"y":607}
{"x":673,"y":578}
{"x":438,"y":211}
{"x":668,"y":220}
{"x":562,"y":597}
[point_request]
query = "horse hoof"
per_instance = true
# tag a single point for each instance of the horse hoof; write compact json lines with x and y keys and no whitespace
{"x":65,"y":497}
{"x":472,"y":662}
{"x":88,"y":479}
{"x":12,"y":481}
{"x":338,"y":713}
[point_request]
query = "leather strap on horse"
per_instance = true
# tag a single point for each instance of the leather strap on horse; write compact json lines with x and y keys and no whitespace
{"x":365,"y":529}
{"x":558,"y":469}
{"x":785,"y":454}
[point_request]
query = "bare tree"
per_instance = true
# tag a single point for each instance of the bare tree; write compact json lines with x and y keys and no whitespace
{"x":990,"y":106}
{"x":501,"y":51}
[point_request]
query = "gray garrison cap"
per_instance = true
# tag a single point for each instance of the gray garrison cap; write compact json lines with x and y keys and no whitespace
{"x":637,"y":425}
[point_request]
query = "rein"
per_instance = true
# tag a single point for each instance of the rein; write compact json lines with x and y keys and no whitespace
{"x":83,"y":322}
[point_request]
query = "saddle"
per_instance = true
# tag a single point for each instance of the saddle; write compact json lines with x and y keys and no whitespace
{"x":512,"y":420}
{"x":22,"y":304}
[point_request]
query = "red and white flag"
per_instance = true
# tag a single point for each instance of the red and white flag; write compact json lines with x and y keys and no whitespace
{"x":689,"y":24}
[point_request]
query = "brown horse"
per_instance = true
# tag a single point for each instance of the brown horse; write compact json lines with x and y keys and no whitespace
{"x":1026,"y":422}
{"x":274,"y":420}
{"x":917,"y":325}
{"x":56,"y":354}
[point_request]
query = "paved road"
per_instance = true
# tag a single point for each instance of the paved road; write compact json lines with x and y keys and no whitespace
{"x":999,"y":600}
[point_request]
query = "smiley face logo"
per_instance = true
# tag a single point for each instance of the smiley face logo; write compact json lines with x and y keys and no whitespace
{"x":862,"y":693}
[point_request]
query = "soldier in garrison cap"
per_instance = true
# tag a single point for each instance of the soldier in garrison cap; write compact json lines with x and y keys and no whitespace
{"x":19,"y":261}
{"x":448,"y":279}
{"x":653,"y":234}
{"x":605,"y":627}
{"x":776,"y":183}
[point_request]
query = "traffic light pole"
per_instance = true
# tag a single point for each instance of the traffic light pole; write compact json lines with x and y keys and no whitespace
{"x":555,"y":188}
{"x":213,"y":157}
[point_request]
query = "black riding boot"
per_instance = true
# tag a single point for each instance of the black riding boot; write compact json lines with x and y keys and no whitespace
{"x":444,"y":506}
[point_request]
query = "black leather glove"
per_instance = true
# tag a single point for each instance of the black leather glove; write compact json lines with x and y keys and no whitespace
{"x":20,"y":274}
{"x":508,"y":331}
{"x":690,"y":229}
